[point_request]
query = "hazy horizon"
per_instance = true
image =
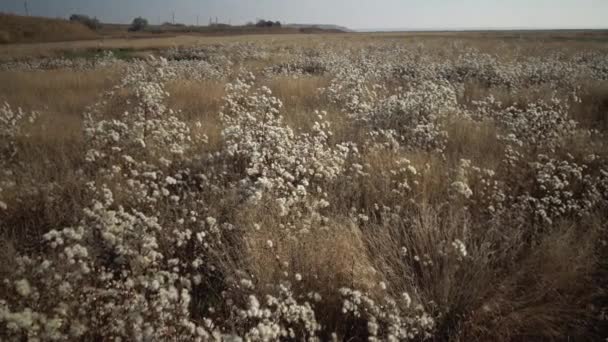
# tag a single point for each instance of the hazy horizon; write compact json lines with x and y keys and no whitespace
{"x":354,"y":14}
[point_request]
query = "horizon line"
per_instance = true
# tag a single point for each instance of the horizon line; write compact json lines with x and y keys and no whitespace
{"x":478,"y":28}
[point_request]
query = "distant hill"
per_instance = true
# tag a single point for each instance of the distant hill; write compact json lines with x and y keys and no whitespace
{"x":320,"y":27}
{"x":20,"y":29}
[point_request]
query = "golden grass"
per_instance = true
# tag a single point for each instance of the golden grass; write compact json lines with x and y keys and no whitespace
{"x":64,"y":91}
{"x":309,"y":255}
{"x":199,"y":101}
{"x":52,"y":153}
{"x":20,"y":29}
{"x":300,"y":97}
{"x":475,"y":141}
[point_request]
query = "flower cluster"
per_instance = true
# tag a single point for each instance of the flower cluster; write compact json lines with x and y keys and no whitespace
{"x":276,"y":160}
{"x":390,"y":319}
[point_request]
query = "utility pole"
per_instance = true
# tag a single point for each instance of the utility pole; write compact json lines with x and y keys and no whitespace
{"x":197,"y":19}
{"x":173,"y":17}
{"x":27,"y":10}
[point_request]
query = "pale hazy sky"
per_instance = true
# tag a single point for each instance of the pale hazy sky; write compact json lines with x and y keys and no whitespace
{"x":356,"y":14}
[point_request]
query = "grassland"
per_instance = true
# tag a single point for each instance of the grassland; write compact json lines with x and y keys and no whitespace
{"x":392,"y":186}
{"x":19,"y":29}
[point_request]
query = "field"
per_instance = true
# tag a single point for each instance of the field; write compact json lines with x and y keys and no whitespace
{"x":16,"y":29}
{"x":382,"y":187}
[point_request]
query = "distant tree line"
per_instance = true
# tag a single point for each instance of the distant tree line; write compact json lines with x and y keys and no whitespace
{"x":268,"y":23}
{"x":92,"y":23}
{"x":166,"y":23}
{"x":140,"y":23}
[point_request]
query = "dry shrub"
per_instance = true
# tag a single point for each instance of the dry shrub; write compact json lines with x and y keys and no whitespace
{"x":417,"y":254}
{"x":501,"y":290}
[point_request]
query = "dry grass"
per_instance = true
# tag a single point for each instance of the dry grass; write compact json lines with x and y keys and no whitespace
{"x":531,"y":43}
{"x":592,"y":112}
{"x":199,"y":101}
{"x":149,"y":43}
{"x":474,"y":141}
{"x":300,"y":97}
{"x":20,"y":29}
{"x":544,"y":294}
{"x":62,"y":91}
{"x":52,"y":154}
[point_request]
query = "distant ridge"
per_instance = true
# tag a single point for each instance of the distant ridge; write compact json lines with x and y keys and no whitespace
{"x":320,"y":27}
{"x":21,"y":29}
{"x":26,"y":29}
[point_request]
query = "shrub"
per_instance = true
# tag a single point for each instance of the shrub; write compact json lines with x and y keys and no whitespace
{"x":138,"y":24}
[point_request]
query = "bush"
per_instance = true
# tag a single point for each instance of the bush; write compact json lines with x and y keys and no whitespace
{"x":268,"y":23}
{"x":92,"y":23}
{"x":138,"y":24}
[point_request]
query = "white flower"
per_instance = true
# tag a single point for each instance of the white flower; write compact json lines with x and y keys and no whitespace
{"x":461,"y":189}
{"x":460,"y":248}
{"x":23,"y":287}
{"x":406,"y":299}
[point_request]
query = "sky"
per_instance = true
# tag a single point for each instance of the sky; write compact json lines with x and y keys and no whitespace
{"x":355,"y":14}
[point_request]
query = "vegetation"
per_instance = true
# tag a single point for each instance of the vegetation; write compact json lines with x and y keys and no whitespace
{"x":92,"y":23}
{"x":334,"y":189}
{"x":19,"y":29}
{"x":268,"y":23}
{"x":138,"y":24}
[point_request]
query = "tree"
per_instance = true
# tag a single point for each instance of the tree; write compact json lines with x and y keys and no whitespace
{"x":138,"y":24}
{"x":92,"y":23}
{"x":268,"y":23}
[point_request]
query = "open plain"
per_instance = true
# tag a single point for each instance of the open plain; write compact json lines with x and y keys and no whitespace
{"x":441,"y":186}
